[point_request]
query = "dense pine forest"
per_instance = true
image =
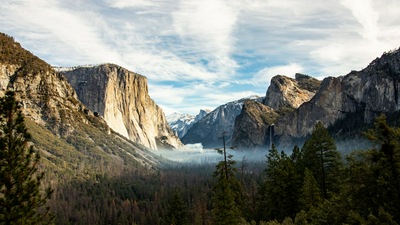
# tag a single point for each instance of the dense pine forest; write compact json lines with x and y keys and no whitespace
{"x":315,"y":184}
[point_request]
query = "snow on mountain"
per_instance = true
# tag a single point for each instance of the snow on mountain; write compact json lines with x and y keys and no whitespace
{"x":220,"y":121}
{"x":181,"y":123}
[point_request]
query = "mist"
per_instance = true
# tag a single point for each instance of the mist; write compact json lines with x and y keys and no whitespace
{"x":196,"y":154}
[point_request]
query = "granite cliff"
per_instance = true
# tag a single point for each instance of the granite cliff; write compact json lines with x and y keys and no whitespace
{"x":290,"y":93}
{"x":350,"y":101}
{"x":346,"y":104}
{"x":69,"y":136}
{"x":121,"y":98}
{"x":254,"y":127}
{"x":46,"y":96}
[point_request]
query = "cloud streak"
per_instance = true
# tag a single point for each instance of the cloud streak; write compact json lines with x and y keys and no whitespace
{"x":201,"y":54}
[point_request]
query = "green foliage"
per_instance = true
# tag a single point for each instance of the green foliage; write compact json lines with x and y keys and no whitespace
{"x":321,"y":157}
{"x":227,"y":193}
{"x":177,"y":213}
{"x":21,"y":192}
{"x":280,"y":192}
{"x":374,"y":174}
{"x":310,"y":193}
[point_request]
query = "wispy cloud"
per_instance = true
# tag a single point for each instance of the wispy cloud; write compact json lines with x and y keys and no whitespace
{"x":200,"y":54}
{"x":206,"y":27}
{"x":267,"y":73}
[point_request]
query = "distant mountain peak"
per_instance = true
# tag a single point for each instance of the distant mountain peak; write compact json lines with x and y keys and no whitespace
{"x":180,"y":123}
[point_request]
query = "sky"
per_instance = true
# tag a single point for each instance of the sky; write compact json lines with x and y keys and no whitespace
{"x":199,"y":54}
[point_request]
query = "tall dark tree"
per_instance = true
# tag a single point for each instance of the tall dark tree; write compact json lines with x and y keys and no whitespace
{"x":310,"y":195}
{"x":177,"y":213}
{"x":227,"y":195}
{"x":280,"y":191}
{"x":321,"y":157}
{"x":20,"y":183}
{"x":374,"y":175}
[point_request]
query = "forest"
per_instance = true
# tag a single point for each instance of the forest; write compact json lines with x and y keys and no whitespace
{"x":314,"y":184}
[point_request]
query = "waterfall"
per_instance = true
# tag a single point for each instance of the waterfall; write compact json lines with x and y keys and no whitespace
{"x":270,"y":135}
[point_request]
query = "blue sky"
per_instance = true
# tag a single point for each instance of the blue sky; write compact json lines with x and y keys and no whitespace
{"x":199,"y":54}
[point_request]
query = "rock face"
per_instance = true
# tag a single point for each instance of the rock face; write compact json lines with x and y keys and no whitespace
{"x":343,"y":104}
{"x":181,"y":123}
{"x":46,"y":95}
{"x":287,"y":92}
{"x":210,"y":129}
{"x":202,"y":113}
{"x":358,"y":97}
{"x":121,"y":98}
{"x":253,"y":126}
{"x":67,"y":134}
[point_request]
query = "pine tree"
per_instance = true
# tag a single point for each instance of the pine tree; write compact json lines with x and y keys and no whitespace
{"x":20,"y":183}
{"x":227,"y":195}
{"x":310,"y":195}
{"x":177,"y":213}
{"x":280,"y":191}
{"x":374,"y":180}
{"x":320,"y":156}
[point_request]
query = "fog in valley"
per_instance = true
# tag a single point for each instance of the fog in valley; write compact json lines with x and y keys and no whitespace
{"x":196,"y":154}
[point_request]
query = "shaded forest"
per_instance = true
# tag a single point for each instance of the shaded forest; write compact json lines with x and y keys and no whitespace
{"x":315,"y":184}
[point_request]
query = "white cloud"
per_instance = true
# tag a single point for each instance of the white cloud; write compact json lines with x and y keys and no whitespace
{"x":266,"y":74}
{"x":202,"y":49}
{"x":364,"y":13}
{"x":207,"y":28}
{"x":194,"y":96}
{"x":129,"y":3}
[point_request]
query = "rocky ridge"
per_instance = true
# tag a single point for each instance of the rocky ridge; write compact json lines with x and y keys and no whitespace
{"x":121,"y":98}
{"x":181,"y":123}
{"x":346,"y":104}
{"x":220,"y":121}
{"x":288,"y":92}
{"x":253,"y":126}
{"x":67,"y":134}
{"x":355,"y":99}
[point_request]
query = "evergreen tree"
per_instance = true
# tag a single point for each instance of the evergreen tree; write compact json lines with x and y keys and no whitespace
{"x":227,"y":195}
{"x":310,"y":194}
{"x":374,"y":180}
{"x":177,"y":214}
{"x":321,"y":157}
{"x":20,"y":184}
{"x":280,"y":191}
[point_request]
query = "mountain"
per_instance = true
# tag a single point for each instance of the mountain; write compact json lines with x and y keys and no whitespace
{"x":253,"y":126}
{"x":346,"y":105}
{"x":71,"y":139}
{"x":121,"y":98}
{"x":181,"y":123}
{"x":287,"y":92}
{"x":202,"y":113}
{"x":350,"y":102}
{"x":220,"y":121}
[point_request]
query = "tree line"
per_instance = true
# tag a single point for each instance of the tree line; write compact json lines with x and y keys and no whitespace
{"x":315,"y":184}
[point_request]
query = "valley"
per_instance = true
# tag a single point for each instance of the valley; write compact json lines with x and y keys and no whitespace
{"x":308,"y":152}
